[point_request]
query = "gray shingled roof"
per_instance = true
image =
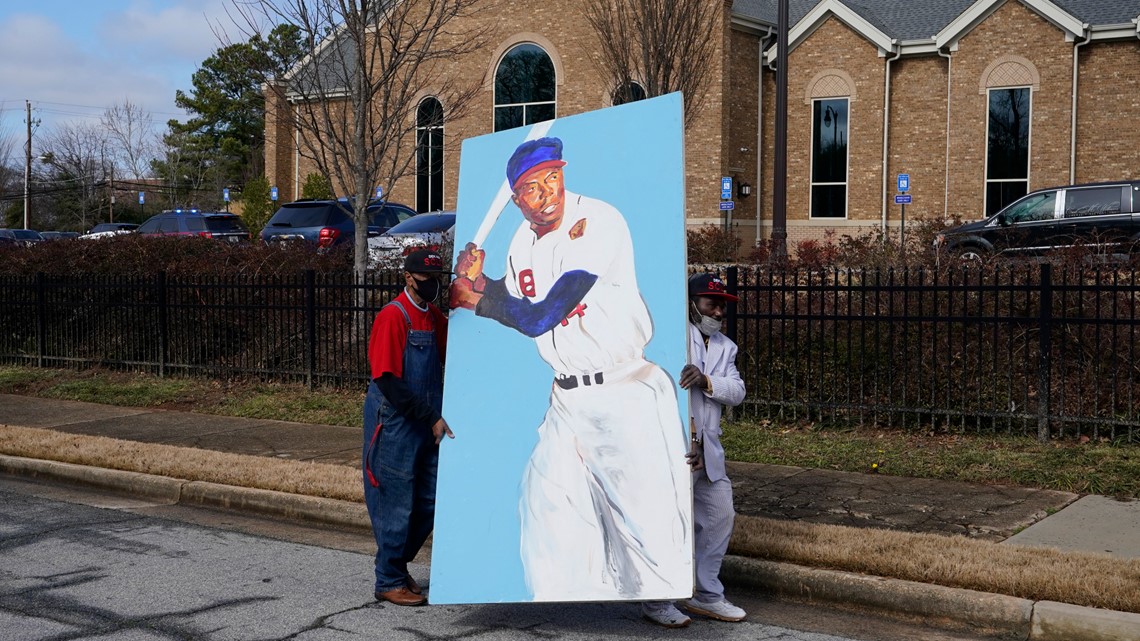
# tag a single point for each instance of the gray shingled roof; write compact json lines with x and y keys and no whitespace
{"x":922,"y":19}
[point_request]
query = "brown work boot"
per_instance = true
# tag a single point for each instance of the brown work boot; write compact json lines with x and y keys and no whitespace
{"x":401,"y":596}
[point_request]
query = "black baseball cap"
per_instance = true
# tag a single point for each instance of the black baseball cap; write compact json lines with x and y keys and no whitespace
{"x":709,"y":285}
{"x":424,"y":261}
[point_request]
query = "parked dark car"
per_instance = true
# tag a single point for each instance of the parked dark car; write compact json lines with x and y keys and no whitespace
{"x":435,"y":230}
{"x":59,"y":235}
{"x":191,"y":222}
{"x":25,"y":237}
{"x":1102,"y":216}
{"x":328,"y":223}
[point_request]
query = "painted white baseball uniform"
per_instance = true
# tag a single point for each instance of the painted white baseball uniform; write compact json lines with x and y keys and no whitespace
{"x":604,"y":497}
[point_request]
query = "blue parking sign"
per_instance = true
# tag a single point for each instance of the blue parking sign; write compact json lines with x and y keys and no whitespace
{"x":142,"y":197}
{"x":904,"y":182}
{"x":273,"y":193}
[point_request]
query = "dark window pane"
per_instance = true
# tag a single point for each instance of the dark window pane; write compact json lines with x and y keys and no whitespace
{"x":829,"y":136}
{"x":998,"y":195}
{"x":829,"y":201}
{"x":429,"y":113}
{"x":508,"y":118}
{"x":632,"y":92}
{"x":436,"y":170}
{"x":526,"y":74}
{"x":539,"y":113}
{"x":429,"y":156}
{"x":1092,"y":202}
{"x":1008,"y":145}
{"x":195,"y":224}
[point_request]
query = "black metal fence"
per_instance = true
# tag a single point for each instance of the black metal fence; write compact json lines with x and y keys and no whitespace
{"x":1032,"y":349}
{"x":1015,"y":349}
{"x":311,"y":327}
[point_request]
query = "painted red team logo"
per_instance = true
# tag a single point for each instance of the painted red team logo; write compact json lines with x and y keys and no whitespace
{"x":526,"y":283}
{"x":579,"y":311}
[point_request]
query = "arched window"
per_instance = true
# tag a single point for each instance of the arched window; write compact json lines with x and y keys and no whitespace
{"x":429,"y":155}
{"x":524,"y":87}
{"x":631,"y":92}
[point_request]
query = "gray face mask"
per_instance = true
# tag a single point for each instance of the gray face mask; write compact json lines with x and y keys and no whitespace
{"x":706,"y":324}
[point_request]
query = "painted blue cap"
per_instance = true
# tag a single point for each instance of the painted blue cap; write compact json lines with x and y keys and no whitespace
{"x":531,"y":154}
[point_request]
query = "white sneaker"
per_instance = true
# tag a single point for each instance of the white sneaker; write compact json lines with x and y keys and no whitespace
{"x":665,"y":614}
{"x":720,"y":610}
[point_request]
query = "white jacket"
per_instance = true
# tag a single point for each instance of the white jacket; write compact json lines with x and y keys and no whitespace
{"x":718,"y":362}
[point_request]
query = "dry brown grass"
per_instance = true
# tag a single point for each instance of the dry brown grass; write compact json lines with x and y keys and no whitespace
{"x":1034,"y":573}
{"x":296,"y":477}
{"x":1095,"y":580}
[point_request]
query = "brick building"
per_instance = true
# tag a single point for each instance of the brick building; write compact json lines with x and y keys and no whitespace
{"x":978,"y":101}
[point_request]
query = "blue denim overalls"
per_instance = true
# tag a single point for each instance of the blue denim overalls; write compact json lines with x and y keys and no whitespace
{"x":400,"y":461}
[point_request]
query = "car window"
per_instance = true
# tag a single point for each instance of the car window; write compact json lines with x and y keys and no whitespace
{"x":389,"y":216}
{"x":168,"y":225}
{"x":224,"y":223}
{"x":1032,"y":207}
{"x":26,"y":234}
{"x":149,"y":227}
{"x":1094,"y":201}
{"x":424,"y":223}
{"x":193,"y":223}
{"x":308,"y":215}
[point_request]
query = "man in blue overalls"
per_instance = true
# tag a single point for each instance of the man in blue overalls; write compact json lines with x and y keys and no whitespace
{"x":403,"y":426}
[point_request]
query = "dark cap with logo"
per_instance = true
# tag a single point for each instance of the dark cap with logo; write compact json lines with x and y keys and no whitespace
{"x":532,"y":155}
{"x":424,"y":261}
{"x":709,"y":285}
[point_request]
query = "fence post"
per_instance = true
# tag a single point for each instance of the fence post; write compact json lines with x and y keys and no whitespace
{"x":1044,"y":350}
{"x":310,"y":326}
{"x":733,"y":284}
{"x":41,"y":318}
{"x":163,"y":329}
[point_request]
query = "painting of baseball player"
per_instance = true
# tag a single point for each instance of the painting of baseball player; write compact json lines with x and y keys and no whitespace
{"x":604,"y":495}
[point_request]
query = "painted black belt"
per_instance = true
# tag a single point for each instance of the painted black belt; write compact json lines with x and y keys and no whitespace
{"x":570,"y":382}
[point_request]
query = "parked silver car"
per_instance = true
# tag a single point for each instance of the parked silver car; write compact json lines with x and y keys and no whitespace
{"x":435,"y":230}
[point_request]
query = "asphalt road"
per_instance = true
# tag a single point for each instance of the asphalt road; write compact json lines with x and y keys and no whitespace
{"x":80,"y":564}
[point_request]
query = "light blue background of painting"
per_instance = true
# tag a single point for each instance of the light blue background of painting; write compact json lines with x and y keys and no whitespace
{"x":496,"y":387}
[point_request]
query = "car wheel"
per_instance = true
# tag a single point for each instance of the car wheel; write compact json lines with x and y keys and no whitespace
{"x":970,"y":255}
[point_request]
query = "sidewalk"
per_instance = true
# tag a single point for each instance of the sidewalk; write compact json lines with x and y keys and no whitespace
{"x":1017,"y":515}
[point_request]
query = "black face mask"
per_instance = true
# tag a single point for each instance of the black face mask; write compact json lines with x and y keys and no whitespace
{"x":428,"y":289}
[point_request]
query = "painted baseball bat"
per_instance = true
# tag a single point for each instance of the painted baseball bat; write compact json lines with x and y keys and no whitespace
{"x":500,"y":202}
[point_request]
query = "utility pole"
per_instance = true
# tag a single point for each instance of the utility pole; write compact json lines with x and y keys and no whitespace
{"x":111,"y":206}
{"x":27,"y":163}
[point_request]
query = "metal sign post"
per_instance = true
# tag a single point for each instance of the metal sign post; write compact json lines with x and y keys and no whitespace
{"x":903,"y":200}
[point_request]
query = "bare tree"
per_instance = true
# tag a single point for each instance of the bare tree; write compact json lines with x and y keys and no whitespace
{"x":132,"y":141}
{"x":76,"y":156}
{"x":662,"y":45}
{"x":353,"y":99}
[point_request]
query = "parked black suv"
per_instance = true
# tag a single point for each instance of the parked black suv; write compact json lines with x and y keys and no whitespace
{"x":191,"y":222}
{"x":1099,"y":215}
{"x":327,"y":223}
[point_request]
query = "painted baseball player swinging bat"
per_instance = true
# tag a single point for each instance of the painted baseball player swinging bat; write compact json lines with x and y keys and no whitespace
{"x":603,"y":496}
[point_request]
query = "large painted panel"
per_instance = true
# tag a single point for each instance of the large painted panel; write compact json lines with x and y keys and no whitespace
{"x":567,"y":478}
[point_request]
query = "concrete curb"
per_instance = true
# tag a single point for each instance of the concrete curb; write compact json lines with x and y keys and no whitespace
{"x":295,"y":506}
{"x":1023,"y":618}
{"x":333,"y":512}
{"x":980,"y":611}
{"x":963,"y":608}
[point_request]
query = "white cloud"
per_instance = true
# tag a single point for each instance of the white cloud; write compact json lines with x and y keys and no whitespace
{"x":182,"y":32}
